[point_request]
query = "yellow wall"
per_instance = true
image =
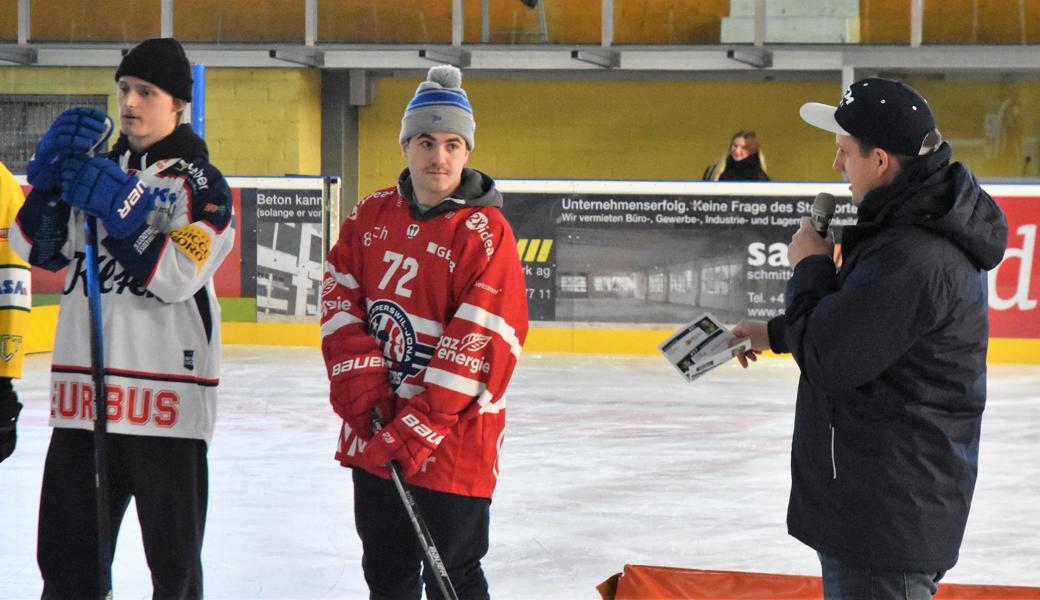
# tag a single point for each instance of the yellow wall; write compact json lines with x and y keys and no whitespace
{"x":268,"y":122}
{"x":581,"y":129}
{"x":241,"y":21}
{"x":9,"y":20}
{"x":952,"y":22}
{"x":258,"y":121}
{"x":963,"y":107}
{"x":568,"y":21}
{"x":106,"y":20}
{"x":575,"y":129}
{"x":264,"y":121}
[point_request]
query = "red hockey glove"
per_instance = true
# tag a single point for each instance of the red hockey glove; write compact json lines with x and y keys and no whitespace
{"x":410,"y":439}
{"x":353,"y":400}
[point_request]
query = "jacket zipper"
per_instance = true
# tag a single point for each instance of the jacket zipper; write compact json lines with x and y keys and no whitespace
{"x":834,"y":463}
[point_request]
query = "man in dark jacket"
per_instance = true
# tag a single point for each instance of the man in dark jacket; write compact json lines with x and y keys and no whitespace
{"x":891,"y":348}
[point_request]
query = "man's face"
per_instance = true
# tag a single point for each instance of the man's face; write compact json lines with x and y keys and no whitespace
{"x":435,"y":161}
{"x":738,"y":149}
{"x":864,"y":173}
{"x":147,"y":113}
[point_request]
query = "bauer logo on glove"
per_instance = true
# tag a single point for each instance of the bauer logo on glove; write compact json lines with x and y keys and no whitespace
{"x":421,"y":430}
{"x":99,"y":187}
{"x":131,"y":200}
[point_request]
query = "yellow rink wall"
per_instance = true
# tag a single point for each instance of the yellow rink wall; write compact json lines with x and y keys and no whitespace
{"x":582,"y":339}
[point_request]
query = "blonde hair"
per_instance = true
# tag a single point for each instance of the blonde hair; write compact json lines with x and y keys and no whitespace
{"x":751,"y":139}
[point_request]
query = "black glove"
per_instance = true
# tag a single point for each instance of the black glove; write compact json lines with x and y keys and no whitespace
{"x":9,"y":409}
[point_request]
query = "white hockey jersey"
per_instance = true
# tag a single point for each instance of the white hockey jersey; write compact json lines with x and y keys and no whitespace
{"x":161,"y":319}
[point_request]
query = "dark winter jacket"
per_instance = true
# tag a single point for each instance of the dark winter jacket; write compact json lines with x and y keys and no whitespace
{"x":892,"y":352}
{"x":747,"y":169}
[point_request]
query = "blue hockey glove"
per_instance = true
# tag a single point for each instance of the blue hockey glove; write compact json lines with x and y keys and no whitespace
{"x":75,"y":131}
{"x":98,"y":186}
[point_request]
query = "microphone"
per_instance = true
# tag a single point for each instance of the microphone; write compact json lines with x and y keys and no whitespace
{"x":822,"y":211}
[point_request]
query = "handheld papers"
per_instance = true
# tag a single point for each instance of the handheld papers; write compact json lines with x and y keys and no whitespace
{"x":701,"y":346}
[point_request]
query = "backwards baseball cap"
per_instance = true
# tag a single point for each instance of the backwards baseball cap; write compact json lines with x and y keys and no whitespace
{"x":161,"y":62}
{"x":439,"y":105}
{"x":884,"y":113}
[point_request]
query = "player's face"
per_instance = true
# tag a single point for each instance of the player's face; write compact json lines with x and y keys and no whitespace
{"x":435,"y":162}
{"x":147,"y":113}
{"x":864,"y":173}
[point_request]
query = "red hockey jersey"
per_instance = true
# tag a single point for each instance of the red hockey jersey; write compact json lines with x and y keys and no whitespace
{"x":442,"y":296}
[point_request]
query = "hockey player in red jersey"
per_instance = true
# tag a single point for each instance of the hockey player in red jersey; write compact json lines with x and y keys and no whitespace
{"x":424,"y":313}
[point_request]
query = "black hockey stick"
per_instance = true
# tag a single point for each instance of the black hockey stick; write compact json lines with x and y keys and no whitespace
{"x":433,"y":557}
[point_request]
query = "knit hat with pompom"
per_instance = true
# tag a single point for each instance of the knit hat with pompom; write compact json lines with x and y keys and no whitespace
{"x":439,"y":105}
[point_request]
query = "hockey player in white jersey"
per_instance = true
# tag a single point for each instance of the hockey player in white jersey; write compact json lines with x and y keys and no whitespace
{"x":165,"y":225}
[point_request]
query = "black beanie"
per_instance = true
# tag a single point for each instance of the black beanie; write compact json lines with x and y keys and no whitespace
{"x":162,"y":62}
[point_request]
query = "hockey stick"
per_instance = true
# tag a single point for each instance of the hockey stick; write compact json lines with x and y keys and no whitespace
{"x":433,"y":557}
{"x":97,"y":371}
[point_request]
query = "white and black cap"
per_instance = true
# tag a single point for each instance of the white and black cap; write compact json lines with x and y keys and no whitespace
{"x":884,"y":113}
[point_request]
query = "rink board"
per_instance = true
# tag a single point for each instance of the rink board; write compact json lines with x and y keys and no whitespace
{"x":611,"y":266}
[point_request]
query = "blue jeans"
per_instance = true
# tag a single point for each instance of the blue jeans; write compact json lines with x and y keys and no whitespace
{"x":842,"y":581}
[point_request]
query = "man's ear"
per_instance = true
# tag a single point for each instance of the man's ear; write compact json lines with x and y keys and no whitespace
{"x":887,"y":165}
{"x":179,"y":105}
{"x":404,"y":149}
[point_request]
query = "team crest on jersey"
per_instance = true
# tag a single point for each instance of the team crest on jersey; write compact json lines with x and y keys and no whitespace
{"x":390,"y":325}
{"x":412,"y":231}
{"x":9,"y":346}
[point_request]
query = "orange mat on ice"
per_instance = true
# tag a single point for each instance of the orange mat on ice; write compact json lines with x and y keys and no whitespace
{"x":640,"y":582}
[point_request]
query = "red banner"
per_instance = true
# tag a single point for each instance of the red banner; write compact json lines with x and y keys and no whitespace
{"x":1014,"y":286}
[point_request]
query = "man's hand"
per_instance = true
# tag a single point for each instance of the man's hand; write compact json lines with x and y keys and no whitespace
{"x":758,"y":332}
{"x":98,"y":186}
{"x":75,"y":132}
{"x":410,"y":439}
{"x":807,"y":242}
{"x":354,"y":398}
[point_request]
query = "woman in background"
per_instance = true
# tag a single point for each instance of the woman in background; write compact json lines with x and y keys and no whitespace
{"x":744,"y":162}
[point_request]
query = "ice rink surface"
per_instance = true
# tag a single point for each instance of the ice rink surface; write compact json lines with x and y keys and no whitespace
{"x":607,"y":461}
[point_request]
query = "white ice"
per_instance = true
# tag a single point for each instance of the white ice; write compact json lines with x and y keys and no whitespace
{"x":607,"y":461}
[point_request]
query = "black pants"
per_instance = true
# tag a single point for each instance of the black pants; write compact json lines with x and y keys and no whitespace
{"x":392,"y":554}
{"x":168,"y":480}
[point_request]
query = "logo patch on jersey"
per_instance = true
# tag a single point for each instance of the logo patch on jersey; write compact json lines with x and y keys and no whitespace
{"x":487,"y":288}
{"x":445,"y":253}
{"x":341,"y":305}
{"x":189,"y":360}
{"x":3,"y":234}
{"x":328,"y":285}
{"x":13,"y":286}
{"x":412,"y":231}
{"x":457,"y":351}
{"x":9,"y":346}
{"x":478,"y":222}
{"x":474,"y":341}
{"x":193,"y":241}
{"x":397,"y":338}
{"x":378,"y":232}
{"x":145,"y":239}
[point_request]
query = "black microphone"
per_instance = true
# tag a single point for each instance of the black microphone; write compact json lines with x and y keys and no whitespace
{"x":822,"y":211}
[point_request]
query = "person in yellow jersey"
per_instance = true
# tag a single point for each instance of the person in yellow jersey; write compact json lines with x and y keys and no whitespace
{"x":15,"y":303}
